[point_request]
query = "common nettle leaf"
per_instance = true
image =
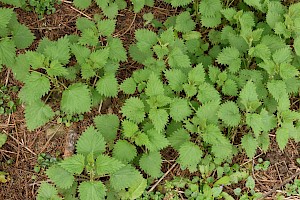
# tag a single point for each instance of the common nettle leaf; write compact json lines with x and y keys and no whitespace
{"x":248,"y":96}
{"x":116,"y":50}
{"x":178,"y":3}
{"x":229,"y":113}
{"x":74,"y":164}
{"x":82,"y":4}
{"x":88,"y":37}
{"x":87,"y":71}
{"x":250,"y":144}
{"x":154,"y":86}
{"x":180,"y":109}
{"x":297,"y":45}
{"x":99,"y":57}
{"x":36,"y":86}
{"x":107,"y":165}
{"x":283,"y":55}
{"x":106,"y":27}
{"x":207,"y":93}
{"x":7,"y":52}
{"x":210,"y":7}
{"x":157,"y":140}
{"x":283,"y":134}
{"x":47,"y":191}
{"x":179,"y":137}
{"x":22,"y":36}
{"x":91,"y":141}
{"x":108,"y":126}
{"x":108,"y":85}
{"x":190,"y":156}
{"x":60,"y":50}
{"x":230,"y":56}
{"x":159,"y":118}
{"x":5,"y":16}
{"x":128,"y":86}
{"x":125,"y":178}
{"x":122,"y":146}
{"x":176,"y":79}
{"x":197,"y":74}
{"x":129,"y":128}
{"x":177,"y":59}
{"x":151,"y":164}
{"x":134,"y":109}
{"x":92,"y":190}
{"x":207,"y":112}
{"x":37,"y":114}
{"x":76,"y":99}
{"x":184,"y":22}
{"x":81,"y":53}
{"x":277,"y":88}
{"x":62,"y":178}
{"x":83,"y":23}
{"x":57,"y":69}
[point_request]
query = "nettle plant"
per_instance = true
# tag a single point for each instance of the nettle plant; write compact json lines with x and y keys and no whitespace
{"x":196,"y":100}
{"x":51,"y":73}
{"x":110,"y":8}
{"x":93,"y":173}
{"x":13,"y":35}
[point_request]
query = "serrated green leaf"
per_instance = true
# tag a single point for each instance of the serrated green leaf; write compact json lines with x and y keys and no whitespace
{"x":76,"y":99}
{"x":123,"y":146}
{"x":184,"y":22}
{"x":36,"y":86}
{"x":159,"y":118}
{"x":7,"y":52}
{"x":116,"y":50}
{"x":229,"y":113}
{"x":47,"y":191}
{"x":282,"y":137}
{"x":107,"y":86}
{"x":57,"y":69}
{"x":92,"y":190}
{"x":151,"y":164}
{"x":176,"y":79}
{"x":107,"y":165}
{"x":128,"y":86}
{"x":277,"y":88}
{"x":99,"y":57}
{"x":60,"y":50}
{"x":106,"y":27}
{"x":210,"y":7}
{"x":179,"y":137}
{"x":157,"y":140}
{"x":177,"y":59}
{"x":5,"y":16}
{"x":83,"y":23}
{"x":180,"y":109}
{"x":207,"y":93}
{"x":108,"y":126}
{"x":82,"y":4}
{"x":154,"y":86}
{"x":230,"y":56}
{"x":283,"y":55}
{"x":74,"y":164}
{"x":125,"y":178}
{"x":60,"y":176}
{"x":22,"y":36}
{"x":37,"y":114}
{"x":250,"y":144}
{"x":91,"y":141}
{"x":190,"y":156}
{"x":134,"y":109}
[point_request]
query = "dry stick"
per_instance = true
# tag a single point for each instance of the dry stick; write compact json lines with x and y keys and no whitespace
{"x":154,"y":186}
{"x":80,"y":12}
{"x":48,"y":141}
{"x":22,"y":144}
{"x":128,"y":29}
{"x":280,"y":185}
{"x":252,"y":159}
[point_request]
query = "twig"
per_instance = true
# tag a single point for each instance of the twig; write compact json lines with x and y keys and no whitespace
{"x":81,"y":12}
{"x":128,"y":29}
{"x":50,"y":138}
{"x":64,"y":1}
{"x":22,"y":144}
{"x":154,"y":186}
{"x":252,"y":159}
{"x":280,"y":185}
